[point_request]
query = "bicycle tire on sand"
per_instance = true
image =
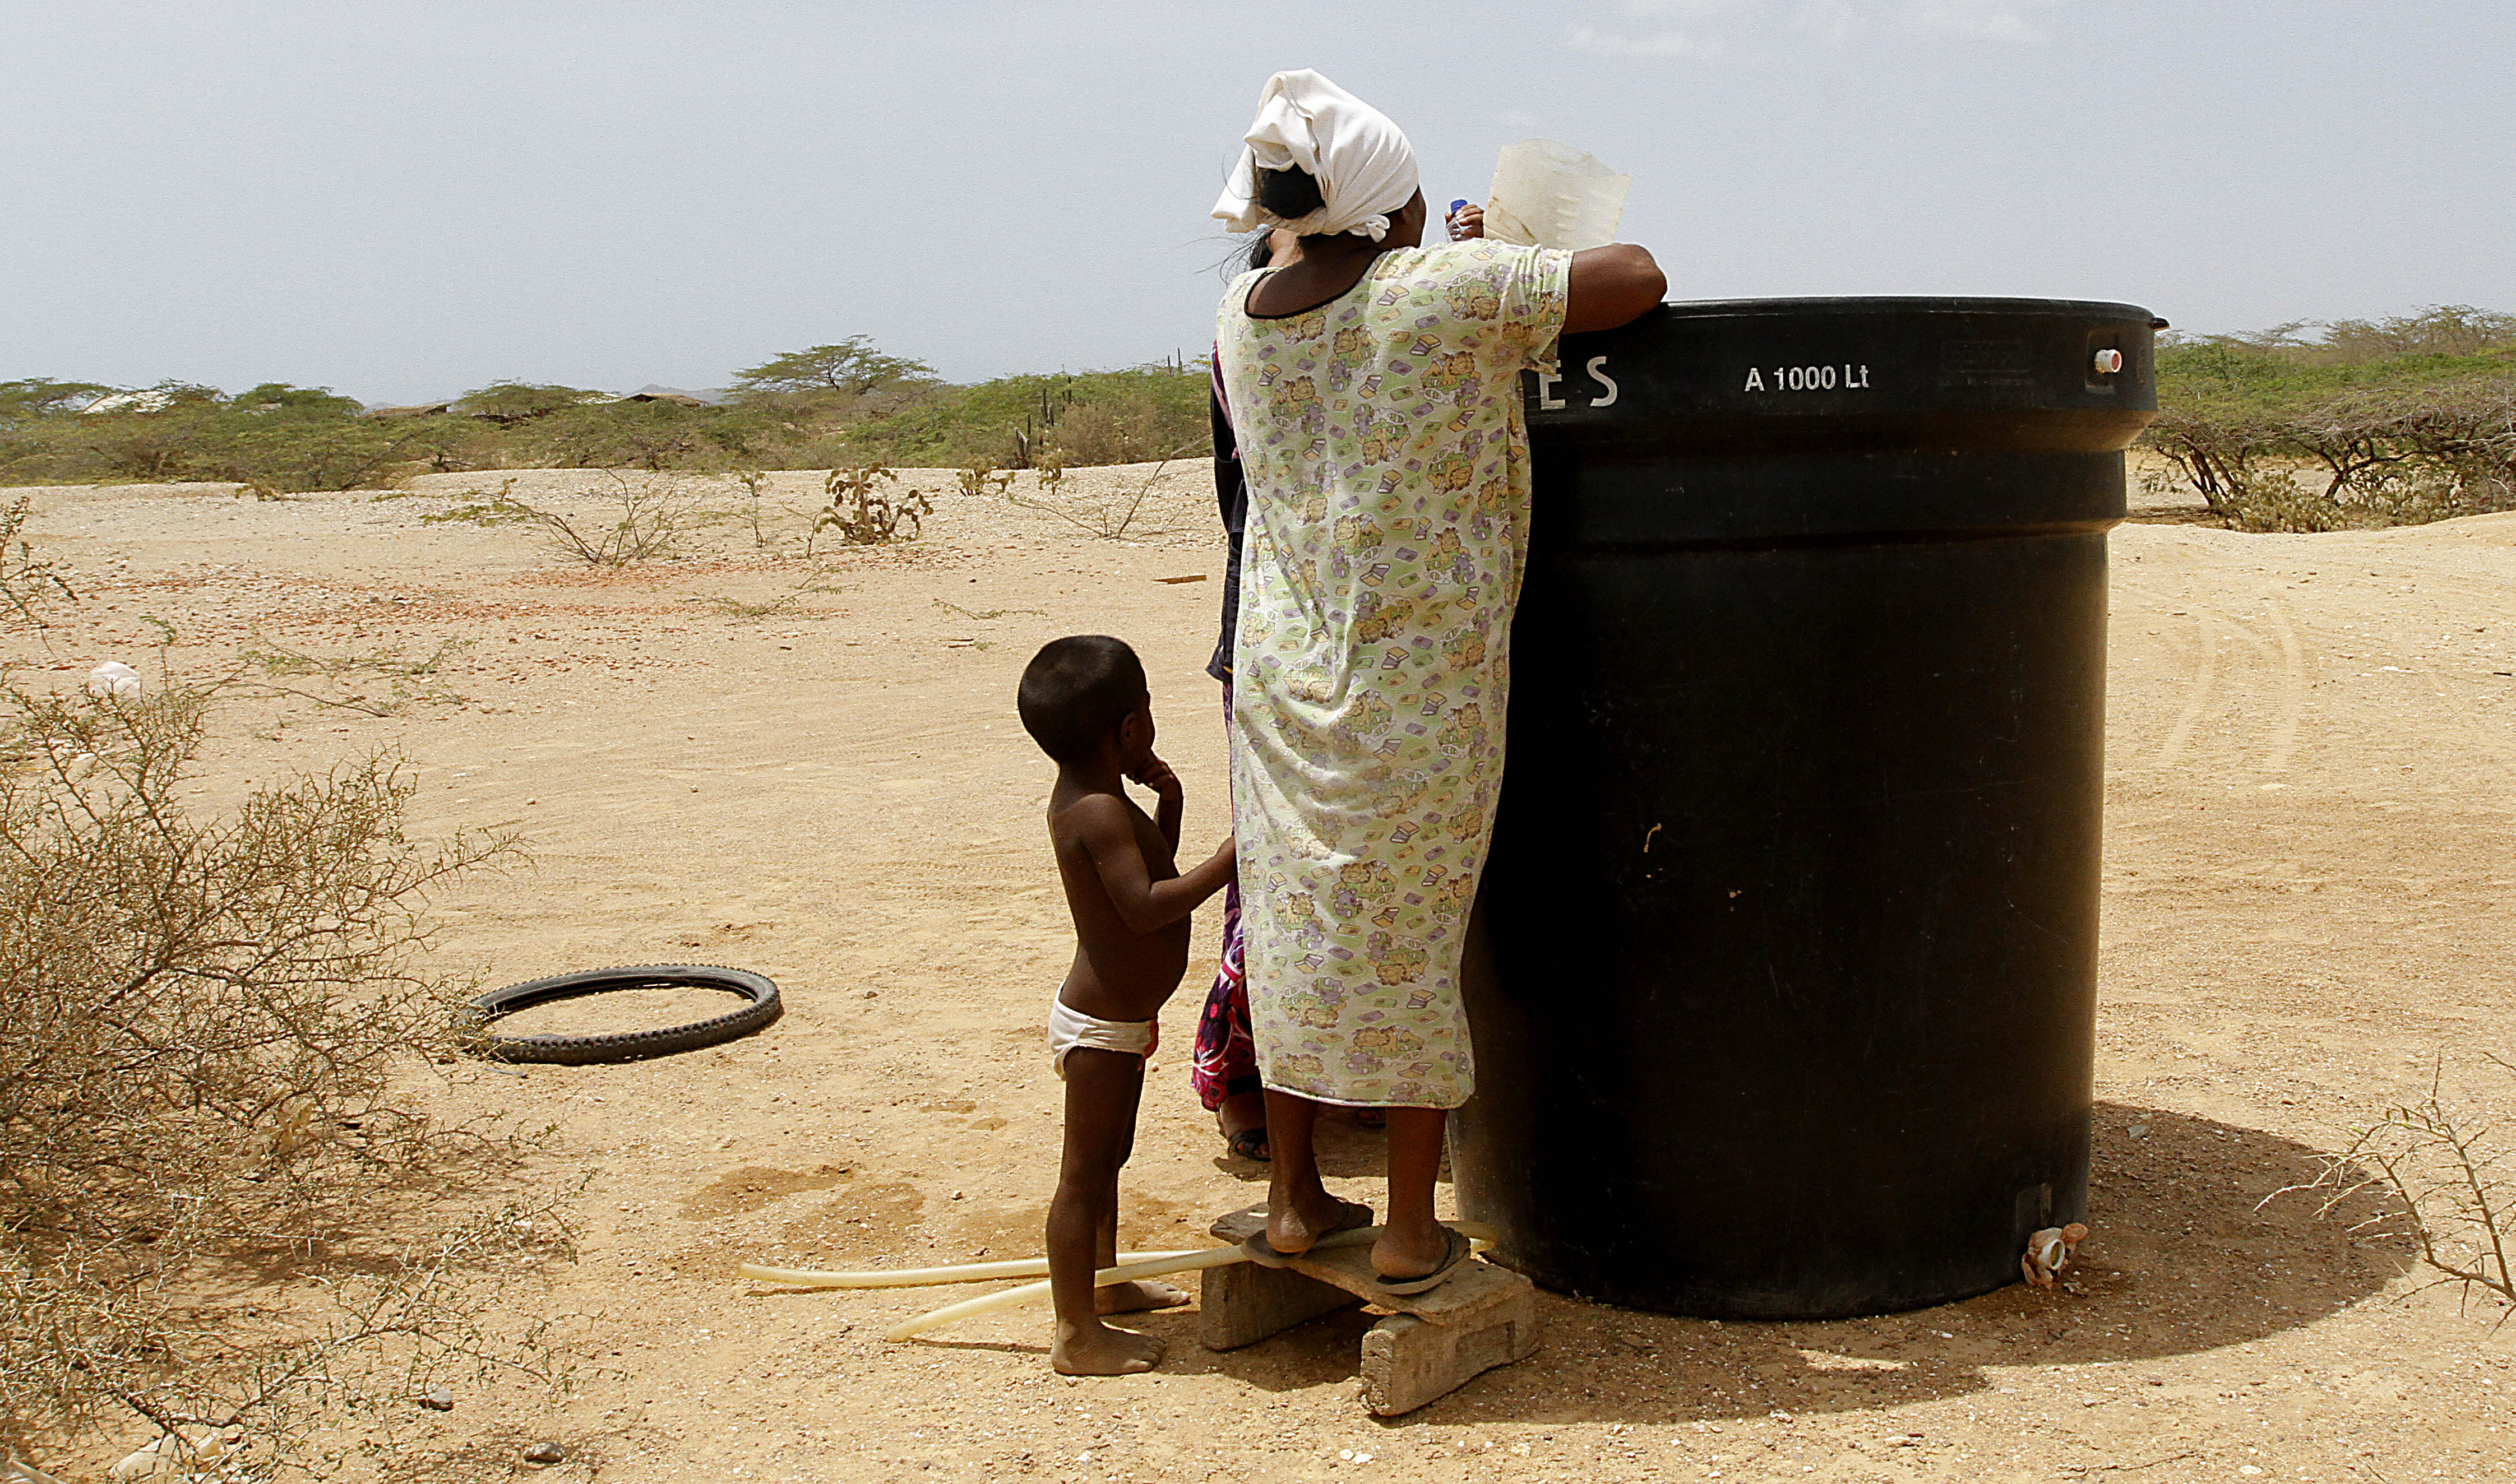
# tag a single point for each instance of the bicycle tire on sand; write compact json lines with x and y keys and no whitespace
{"x":762,"y":1008}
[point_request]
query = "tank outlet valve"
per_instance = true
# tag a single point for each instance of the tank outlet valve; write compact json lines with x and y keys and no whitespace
{"x":2109,"y":362}
{"x":2049,"y":1251}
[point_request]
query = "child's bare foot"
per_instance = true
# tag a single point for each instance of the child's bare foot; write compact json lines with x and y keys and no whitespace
{"x":1292,"y":1229}
{"x":1137,"y":1296}
{"x":1100,"y":1350}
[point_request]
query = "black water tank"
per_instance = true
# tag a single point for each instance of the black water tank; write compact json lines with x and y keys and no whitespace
{"x":1784,"y":1006}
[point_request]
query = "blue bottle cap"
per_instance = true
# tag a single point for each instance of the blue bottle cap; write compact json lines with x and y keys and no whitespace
{"x":1456,"y":205}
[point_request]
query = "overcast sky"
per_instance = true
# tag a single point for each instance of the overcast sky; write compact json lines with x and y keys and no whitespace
{"x":407,"y":201}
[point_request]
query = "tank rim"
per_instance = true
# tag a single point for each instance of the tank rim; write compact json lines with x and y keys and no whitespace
{"x":2102,"y":308}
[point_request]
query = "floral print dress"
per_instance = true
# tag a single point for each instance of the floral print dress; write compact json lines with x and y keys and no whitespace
{"x":1387,"y":467}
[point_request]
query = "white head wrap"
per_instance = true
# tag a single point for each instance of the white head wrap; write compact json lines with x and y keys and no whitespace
{"x":1362,"y":162}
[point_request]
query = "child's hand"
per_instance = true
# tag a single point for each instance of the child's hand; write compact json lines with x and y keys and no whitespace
{"x":1157,"y":776}
{"x":1229,"y":851}
{"x":1467,"y":222}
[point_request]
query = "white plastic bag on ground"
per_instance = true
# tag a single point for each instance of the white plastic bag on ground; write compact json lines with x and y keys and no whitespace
{"x":1548,"y":195}
{"x":114,"y":678}
{"x":170,"y":1453}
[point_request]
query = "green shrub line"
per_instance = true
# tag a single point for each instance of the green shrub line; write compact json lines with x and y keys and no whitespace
{"x":845,"y":405}
{"x":2374,"y":422}
{"x":2363,"y":423}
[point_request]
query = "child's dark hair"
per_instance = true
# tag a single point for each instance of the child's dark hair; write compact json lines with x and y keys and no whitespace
{"x":1291,"y":195}
{"x":1076,"y":690}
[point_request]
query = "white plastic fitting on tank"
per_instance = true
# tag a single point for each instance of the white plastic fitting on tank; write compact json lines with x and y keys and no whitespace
{"x":2109,"y":361}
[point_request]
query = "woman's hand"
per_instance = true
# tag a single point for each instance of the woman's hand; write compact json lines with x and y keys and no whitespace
{"x":1467,"y":222}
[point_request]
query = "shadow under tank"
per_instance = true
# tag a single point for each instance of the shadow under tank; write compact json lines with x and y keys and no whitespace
{"x":1782,"y":987}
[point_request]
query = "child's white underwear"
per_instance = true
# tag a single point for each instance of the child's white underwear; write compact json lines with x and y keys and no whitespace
{"x":1070,"y":1028}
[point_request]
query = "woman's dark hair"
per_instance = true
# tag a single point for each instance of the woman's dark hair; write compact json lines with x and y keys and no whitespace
{"x":1291,"y":195}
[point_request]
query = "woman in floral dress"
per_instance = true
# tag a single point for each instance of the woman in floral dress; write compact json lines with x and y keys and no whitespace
{"x":1375,"y":393}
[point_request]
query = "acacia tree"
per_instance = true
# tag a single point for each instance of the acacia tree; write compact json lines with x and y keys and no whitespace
{"x":854,"y":365}
{"x":2389,"y":456}
{"x":507,"y":403}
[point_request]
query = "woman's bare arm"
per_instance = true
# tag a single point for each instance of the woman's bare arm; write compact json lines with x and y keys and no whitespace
{"x":1611,"y":286}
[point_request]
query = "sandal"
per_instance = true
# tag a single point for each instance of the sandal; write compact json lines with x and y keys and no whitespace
{"x":1351,"y":1215}
{"x":1456,"y":1251}
{"x":1249,"y":1144}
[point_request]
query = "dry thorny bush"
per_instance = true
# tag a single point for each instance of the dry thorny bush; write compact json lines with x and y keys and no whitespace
{"x":1108,"y":512}
{"x":646,"y":520}
{"x":223,"y":1221}
{"x":382,"y":681}
{"x":755,"y":483}
{"x":2441,"y":1177}
{"x":24,"y":580}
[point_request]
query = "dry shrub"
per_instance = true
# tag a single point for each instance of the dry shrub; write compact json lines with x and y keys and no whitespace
{"x":1106,"y":511}
{"x":755,"y":483}
{"x":652,"y":520}
{"x":646,"y":520}
{"x":218,"y":1207}
{"x":382,"y":681}
{"x":2442,"y":1176}
{"x":26,"y":581}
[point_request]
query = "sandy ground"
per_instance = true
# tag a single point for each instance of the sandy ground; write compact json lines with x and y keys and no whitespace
{"x":2306,"y":903}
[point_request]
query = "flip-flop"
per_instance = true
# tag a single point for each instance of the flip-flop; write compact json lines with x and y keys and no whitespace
{"x":1351,"y":1215}
{"x":1249,"y":1144}
{"x":1457,"y":1249}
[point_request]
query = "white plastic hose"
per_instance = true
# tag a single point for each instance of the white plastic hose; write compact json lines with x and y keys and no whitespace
{"x":923,"y":1277}
{"x":1482,"y":1236}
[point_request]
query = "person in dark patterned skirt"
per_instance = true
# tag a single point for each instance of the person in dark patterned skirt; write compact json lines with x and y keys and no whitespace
{"x":1224,"y":1069}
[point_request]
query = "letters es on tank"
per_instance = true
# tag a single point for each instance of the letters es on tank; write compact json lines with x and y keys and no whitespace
{"x":1596,"y":369}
